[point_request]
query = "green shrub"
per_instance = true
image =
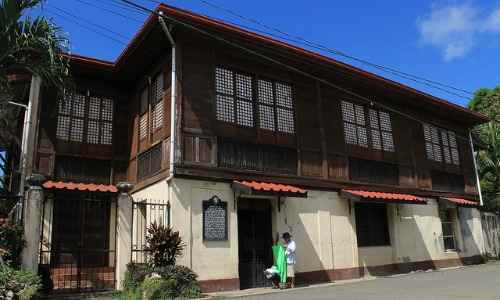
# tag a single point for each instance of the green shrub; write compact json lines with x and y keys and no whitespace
{"x":187,"y":286}
{"x":22,"y":283}
{"x":164,"y":245}
{"x":182,"y":281}
{"x":155,"y":288}
{"x":11,"y":243}
{"x":135,"y":275}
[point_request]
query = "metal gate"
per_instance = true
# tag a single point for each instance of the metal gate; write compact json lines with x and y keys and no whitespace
{"x":145,"y":212}
{"x":78,"y":242}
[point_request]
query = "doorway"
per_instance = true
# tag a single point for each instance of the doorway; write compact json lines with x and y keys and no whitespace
{"x":82,"y":249}
{"x":254,"y":241}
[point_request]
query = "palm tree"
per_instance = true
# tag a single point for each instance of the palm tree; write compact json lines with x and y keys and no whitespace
{"x":30,"y":45}
{"x":489,"y":165}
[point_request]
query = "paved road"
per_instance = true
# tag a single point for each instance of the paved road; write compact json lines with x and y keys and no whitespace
{"x":477,"y":282}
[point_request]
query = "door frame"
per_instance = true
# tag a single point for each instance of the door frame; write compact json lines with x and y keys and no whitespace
{"x":267,"y":208}
{"x":48,"y":269}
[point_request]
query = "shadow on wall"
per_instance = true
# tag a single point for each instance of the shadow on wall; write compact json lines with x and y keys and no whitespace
{"x":417,"y":242}
{"x":491,"y":234}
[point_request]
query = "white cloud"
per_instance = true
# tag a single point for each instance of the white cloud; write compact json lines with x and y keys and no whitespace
{"x":492,"y":23}
{"x":456,"y":28}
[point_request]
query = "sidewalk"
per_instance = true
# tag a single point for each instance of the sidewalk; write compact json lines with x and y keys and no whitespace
{"x":313,"y":287}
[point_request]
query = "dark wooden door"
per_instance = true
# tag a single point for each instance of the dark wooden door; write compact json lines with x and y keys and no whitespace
{"x":254,"y":241}
{"x":82,"y":257}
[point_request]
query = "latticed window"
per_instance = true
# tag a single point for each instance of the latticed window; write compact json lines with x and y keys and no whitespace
{"x":381,"y":131}
{"x":354,"y":124}
{"x":234,"y":97}
{"x":441,"y":145}
{"x":275,"y":106}
{"x":85,"y":119}
{"x":357,"y":130}
{"x":157,"y":102}
{"x":235,"y":101}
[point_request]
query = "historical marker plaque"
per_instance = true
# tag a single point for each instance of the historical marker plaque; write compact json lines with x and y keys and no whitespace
{"x":214,"y":219}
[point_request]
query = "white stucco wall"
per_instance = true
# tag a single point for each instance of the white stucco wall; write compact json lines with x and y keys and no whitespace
{"x":323,"y":226}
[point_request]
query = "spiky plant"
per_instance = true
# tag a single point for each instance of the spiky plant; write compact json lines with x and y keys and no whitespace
{"x":163,"y":244}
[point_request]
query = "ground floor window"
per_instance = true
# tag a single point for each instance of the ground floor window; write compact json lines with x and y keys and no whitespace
{"x":371,"y":224}
{"x":446,"y":216}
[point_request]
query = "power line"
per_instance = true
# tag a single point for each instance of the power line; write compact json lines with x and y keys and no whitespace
{"x":89,"y":22}
{"x":282,"y":64}
{"x":87,"y":27}
{"x":110,"y":11}
{"x":316,"y":45}
{"x":299,"y":40}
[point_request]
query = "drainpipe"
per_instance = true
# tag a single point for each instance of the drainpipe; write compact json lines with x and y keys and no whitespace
{"x":173,"y":97}
{"x":475,"y":169}
{"x":28,"y":141}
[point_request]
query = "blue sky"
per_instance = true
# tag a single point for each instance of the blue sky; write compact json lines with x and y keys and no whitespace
{"x":453,"y":42}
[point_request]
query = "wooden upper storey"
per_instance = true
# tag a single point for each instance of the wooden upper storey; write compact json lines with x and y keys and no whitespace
{"x":306,"y":120}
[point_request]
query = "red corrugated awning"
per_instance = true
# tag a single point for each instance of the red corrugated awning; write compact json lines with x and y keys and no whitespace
{"x":71,"y":186}
{"x":270,"y":188}
{"x":382,"y":197}
{"x":461,"y":202}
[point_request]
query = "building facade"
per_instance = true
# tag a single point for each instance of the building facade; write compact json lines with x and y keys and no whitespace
{"x":232,"y":138}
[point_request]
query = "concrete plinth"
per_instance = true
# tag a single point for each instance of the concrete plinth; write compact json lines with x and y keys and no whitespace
{"x":123,"y":231}
{"x":32,"y":222}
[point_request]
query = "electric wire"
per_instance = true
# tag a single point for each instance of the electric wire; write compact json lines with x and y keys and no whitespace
{"x":110,"y":11}
{"x":329,"y":49}
{"x":72,"y":20}
{"x":101,"y":27}
{"x":284,"y":65}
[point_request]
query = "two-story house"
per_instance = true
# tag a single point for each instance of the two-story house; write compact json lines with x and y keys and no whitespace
{"x":232,"y":137}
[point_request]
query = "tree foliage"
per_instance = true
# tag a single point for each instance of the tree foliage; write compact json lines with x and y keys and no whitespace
{"x":487,"y":101}
{"x":31,"y":46}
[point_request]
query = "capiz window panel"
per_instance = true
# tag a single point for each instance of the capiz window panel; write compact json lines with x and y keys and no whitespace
{"x":85,"y":119}
{"x":367,"y":127}
{"x":244,"y":100}
{"x":440,"y":145}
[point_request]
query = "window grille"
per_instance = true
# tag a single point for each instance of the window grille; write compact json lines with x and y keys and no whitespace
{"x":84,"y":118}
{"x":448,"y":229}
{"x":440,"y":145}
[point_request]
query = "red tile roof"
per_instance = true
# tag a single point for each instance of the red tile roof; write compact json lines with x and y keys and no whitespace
{"x":271,"y":187}
{"x":461,"y":202}
{"x":386,"y":197}
{"x":71,"y":186}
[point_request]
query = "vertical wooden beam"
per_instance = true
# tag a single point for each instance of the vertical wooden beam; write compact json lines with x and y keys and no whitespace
{"x":324,"y":152}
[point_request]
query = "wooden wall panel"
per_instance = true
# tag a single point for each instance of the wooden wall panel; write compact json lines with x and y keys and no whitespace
{"x":338,"y":167}
{"x":307,"y":125}
{"x":407,"y":176}
{"x":311,"y":162}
